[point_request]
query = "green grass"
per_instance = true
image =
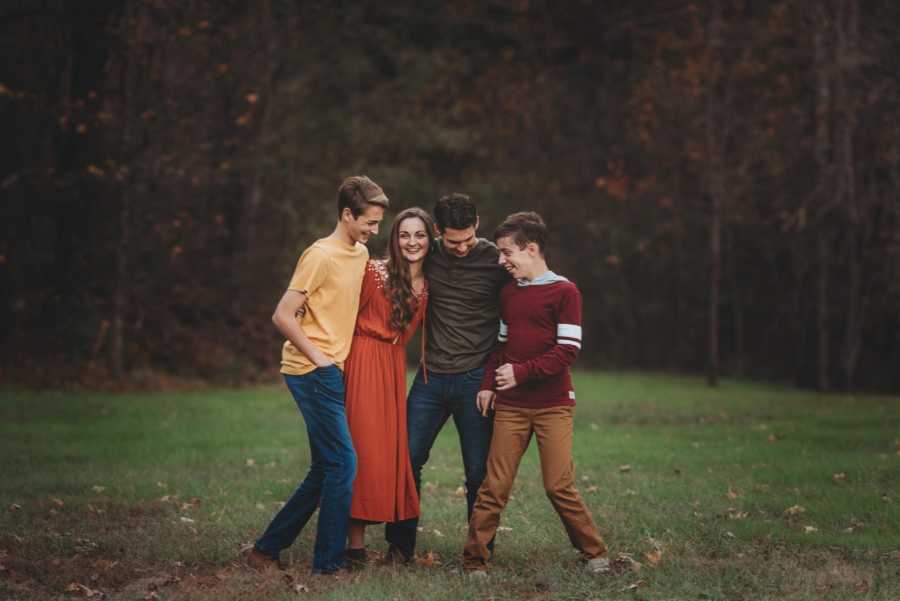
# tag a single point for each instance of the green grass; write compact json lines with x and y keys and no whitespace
{"x":156,"y":493}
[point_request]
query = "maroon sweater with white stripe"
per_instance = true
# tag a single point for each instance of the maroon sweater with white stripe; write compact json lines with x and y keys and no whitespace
{"x":540,"y":335}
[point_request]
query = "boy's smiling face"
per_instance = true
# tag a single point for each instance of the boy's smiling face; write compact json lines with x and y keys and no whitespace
{"x":519,"y":261}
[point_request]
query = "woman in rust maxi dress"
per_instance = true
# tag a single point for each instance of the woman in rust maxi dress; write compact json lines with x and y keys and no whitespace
{"x":375,"y":376}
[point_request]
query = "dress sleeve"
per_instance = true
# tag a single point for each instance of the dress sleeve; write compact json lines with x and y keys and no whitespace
{"x":417,"y":318}
{"x":369,"y":285}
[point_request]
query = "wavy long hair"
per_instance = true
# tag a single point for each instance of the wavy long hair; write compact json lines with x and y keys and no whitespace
{"x":399,"y":289}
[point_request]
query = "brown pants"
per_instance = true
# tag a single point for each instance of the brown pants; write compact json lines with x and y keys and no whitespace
{"x":513,"y":427}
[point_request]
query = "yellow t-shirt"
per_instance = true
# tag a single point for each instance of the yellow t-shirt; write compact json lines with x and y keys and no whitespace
{"x":330,"y":273}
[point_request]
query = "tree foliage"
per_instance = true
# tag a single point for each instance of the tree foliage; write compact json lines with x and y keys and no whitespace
{"x":166,"y":162}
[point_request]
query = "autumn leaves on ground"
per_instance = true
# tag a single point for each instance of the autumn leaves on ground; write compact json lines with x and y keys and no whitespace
{"x":744,"y":492}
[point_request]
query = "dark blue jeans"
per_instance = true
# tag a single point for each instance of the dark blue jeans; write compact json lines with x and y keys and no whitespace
{"x":320,"y":397}
{"x":427,"y":409}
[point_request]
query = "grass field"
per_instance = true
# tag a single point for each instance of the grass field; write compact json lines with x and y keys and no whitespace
{"x":747,"y":492}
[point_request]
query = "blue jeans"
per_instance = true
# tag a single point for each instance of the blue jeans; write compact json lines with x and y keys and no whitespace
{"x":329,"y":483}
{"x":428,"y":407}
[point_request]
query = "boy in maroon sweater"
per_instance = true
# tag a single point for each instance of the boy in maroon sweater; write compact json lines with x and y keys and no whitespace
{"x":528,"y":384}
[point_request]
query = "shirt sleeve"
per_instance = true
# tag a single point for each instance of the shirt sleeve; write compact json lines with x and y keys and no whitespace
{"x":493,"y":362}
{"x":311,"y":271}
{"x":568,"y":342}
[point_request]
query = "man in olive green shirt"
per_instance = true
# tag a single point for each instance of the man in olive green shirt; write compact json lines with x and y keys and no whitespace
{"x":464,"y":279}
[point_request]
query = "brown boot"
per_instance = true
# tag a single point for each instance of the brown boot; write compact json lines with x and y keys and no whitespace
{"x":261,"y":562}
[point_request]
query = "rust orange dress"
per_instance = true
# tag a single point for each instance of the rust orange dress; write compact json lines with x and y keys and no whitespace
{"x":375,"y":381}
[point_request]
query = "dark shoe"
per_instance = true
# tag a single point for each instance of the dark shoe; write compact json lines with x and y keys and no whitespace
{"x":395,"y":557}
{"x":261,"y":562}
{"x":355,"y":559}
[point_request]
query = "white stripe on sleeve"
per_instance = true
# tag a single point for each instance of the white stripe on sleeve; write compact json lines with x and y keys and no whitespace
{"x":504,"y":332}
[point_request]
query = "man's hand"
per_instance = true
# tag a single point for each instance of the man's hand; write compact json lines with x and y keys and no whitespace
{"x":485,"y":401}
{"x":505,"y":377}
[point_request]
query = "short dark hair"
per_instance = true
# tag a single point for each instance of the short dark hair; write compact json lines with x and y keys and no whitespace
{"x":456,"y":211}
{"x":524,"y":227}
{"x":357,"y":192}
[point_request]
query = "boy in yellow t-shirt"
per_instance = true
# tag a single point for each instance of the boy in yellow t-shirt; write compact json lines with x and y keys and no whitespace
{"x":317,"y":314}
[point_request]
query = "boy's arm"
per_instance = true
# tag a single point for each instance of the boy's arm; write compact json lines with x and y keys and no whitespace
{"x":485,"y":398}
{"x":493,"y":361}
{"x":285,"y":319}
{"x":563,"y":353}
{"x":309,"y":274}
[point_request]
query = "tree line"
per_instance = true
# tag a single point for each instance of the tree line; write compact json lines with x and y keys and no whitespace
{"x":720,"y":178}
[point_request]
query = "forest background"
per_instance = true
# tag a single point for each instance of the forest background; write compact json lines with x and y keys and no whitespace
{"x":721,"y":178}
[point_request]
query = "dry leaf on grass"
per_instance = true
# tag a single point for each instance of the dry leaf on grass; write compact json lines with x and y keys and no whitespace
{"x":623,"y":562}
{"x":634,"y":586}
{"x":429,"y":560}
{"x":795,"y":510}
{"x":460,"y":491}
{"x":624,"y":468}
{"x":733,"y":493}
{"x":653,"y":557}
{"x":593,"y":488}
{"x":80,"y":589}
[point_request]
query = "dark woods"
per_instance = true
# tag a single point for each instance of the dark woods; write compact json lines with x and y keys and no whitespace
{"x":721,"y":177}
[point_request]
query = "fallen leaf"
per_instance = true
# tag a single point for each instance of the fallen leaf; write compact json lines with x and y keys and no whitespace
{"x":438,"y":533}
{"x":14,"y":507}
{"x":429,"y":560}
{"x":504,"y":529}
{"x":58,"y":502}
{"x":186,"y":520}
{"x":624,"y":468}
{"x":733,"y":514}
{"x":460,"y":492}
{"x":839,"y":477}
{"x":161,"y":484}
{"x":593,"y":488}
{"x":810,"y":529}
{"x":795,"y":510}
{"x":250,"y":462}
{"x":772,"y":438}
{"x":98,"y":489}
{"x":623,"y":562}
{"x":634,"y":586}
{"x":300,"y":588}
{"x":732,"y":493}
{"x":654,"y":557}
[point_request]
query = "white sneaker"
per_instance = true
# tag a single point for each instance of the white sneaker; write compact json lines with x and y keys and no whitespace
{"x":598,"y":565}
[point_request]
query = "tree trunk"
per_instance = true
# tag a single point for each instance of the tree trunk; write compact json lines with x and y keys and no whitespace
{"x":715,"y":179}
{"x":847,"y":59}
{"x":824,"y":177}
{"x":130,"y":74}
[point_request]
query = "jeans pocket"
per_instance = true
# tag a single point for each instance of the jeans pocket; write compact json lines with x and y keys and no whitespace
{"x":475,"y":374}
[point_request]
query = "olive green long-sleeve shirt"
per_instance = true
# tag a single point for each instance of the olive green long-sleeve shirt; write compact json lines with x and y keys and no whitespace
{"x":463,"y":307}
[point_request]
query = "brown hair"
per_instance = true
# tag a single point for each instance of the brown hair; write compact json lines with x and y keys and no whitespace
{"x":524,"y":227}
{"x":456,"y":211}
{"x":357,"y":192}
{"x":399,"y":289}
